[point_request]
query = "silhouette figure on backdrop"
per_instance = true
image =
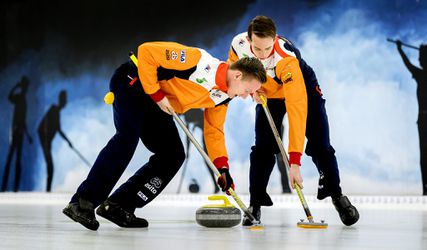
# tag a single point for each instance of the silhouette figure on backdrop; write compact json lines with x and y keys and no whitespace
{"x":19,"y":129}
{"x":194,"y":117}
{"x":48,"y":127}
{"x":420,"y":76}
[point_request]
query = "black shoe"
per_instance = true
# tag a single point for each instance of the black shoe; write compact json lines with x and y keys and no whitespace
{"x":116,"y":214}
{"x":256,"y":212}
{"x":348,"y":213}
{"x":83,"y":213}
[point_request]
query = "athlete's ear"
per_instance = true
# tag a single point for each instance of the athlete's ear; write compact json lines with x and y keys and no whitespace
{"x":249,"y":39}
{"x":237,"y":75}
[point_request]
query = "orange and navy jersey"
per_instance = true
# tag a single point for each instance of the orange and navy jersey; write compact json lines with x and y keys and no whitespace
{"x":284,"y":81}
{"x":190,"y":78}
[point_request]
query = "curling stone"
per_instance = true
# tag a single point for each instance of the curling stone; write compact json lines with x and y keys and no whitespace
{"x":218,"y":215}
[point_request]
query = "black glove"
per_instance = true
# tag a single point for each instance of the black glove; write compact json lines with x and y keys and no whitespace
{"x":225,"y":181}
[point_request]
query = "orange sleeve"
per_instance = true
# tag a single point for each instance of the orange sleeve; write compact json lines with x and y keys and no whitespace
{"x":289,"y":72}
{"x":168,"y":55}
{"x":214,"y":120}
{"x":232,"y":57}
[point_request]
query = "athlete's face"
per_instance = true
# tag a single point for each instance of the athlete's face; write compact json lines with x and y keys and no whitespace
{"x":242,"y":88}
{"x":261,"y":46}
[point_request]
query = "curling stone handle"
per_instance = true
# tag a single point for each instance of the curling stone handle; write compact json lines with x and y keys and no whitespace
{"x":219,"y":198}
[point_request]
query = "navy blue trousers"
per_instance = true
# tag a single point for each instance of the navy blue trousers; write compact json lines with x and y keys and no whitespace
{"x":262,"y":158}
{"x":136,"y":117}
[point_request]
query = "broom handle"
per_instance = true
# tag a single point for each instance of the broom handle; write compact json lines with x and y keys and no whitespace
{"x":212,"y":167}
{"x":285,"y":157}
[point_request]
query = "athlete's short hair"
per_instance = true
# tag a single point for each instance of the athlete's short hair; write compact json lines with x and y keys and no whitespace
{"x":262,"y":26}
{"x":250,"y":67}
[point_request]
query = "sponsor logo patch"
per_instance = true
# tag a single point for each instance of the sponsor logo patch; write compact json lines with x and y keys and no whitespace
{"x":207,"y":68}
{"x":183,"y":56}
{"x":142,"y":196}
{"x":168,"y":54}
{"x":216,"y":93}
{"x":174,"y":55}
{"x":151,"y":188}
{"x":201,"y":80}
{"x":241,"y":42}
{"x":287,"y":77}
{"x":157,"y":182}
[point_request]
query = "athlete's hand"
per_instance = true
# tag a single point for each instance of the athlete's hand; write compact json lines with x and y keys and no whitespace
{"x":295,"y":175}
{"x":256,"y":96}
{"x":165,"y":105}
{"x":225,"y":181}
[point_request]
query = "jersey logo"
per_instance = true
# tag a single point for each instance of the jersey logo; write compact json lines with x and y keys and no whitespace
{"x":216,"y":94}
{"x":201,"y":80}
{"x":168,"y":55}
{"x":183,"y":56}
{"x":157,"y":182}
{"x":174,"y":55}
{"x":207,"y":68}
{"x":241,"y":42}
{"x":287,"y":77}
{"x":142,"y":196}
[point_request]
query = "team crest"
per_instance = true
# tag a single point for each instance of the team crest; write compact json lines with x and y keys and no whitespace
{"x":287,"y":77}
{"x":174,"y":55}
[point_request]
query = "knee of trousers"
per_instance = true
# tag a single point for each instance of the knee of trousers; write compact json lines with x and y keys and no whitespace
{"x":173,"y":159}
{"x":177,"y":156}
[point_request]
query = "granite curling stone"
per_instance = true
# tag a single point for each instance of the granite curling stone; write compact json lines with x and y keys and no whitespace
{"x":218,"y":215}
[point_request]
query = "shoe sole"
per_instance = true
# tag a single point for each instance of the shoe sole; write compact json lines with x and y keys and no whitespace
{"x":82,"y":221}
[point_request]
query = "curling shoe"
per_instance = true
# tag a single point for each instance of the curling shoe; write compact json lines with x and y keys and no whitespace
{"x":116,"y":214}
{"x":348,"y":213}
{"x":83,"y":213}
{"x":256,"y":212}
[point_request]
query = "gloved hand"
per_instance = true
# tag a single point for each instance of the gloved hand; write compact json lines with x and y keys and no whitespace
{"x":225,"y":181}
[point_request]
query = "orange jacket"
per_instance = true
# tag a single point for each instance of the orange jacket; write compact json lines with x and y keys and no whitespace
{"x":190,"y":78}
{"x":284,"y":81}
